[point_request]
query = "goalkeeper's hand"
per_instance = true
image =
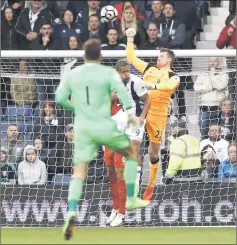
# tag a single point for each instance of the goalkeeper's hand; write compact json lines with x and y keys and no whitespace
{"x":130,"y":33}
{"x":151,"y":86}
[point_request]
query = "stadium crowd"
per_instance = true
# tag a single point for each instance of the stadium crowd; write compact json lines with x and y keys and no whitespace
{"x":37,"y":134}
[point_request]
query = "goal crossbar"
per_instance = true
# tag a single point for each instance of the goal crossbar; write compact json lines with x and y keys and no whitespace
{"x":117,"y":53}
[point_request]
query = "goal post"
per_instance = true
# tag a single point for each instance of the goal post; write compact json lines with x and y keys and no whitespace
{"x":209,"y":203}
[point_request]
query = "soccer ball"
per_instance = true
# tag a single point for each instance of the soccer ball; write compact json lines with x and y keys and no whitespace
{"x":108,"y":13}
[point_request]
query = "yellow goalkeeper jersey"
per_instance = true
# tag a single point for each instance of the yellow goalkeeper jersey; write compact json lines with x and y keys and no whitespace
{"x":168,"y":82}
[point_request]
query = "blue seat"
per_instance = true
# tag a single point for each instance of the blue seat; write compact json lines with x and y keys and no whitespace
{"x":29,"y":126}
{"x":28,"y":139}
{"x":21,"y":126}
{"x":3,"y":135}
{"x":23,"y":112}
{"x":61,"y":179}
{"x":37,"y":111}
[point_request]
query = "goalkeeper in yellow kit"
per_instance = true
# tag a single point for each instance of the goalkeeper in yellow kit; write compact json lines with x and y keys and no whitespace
{"x":162,"y":82}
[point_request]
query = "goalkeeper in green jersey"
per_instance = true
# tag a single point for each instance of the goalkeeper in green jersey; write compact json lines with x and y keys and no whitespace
{"x":91,"y":85}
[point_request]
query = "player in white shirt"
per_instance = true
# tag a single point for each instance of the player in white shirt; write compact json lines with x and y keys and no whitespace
{"x":139,"y":95}
{"x":114,"y":161}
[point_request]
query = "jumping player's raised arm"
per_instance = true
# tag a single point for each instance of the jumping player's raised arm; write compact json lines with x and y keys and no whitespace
{"x":63,"y":93}
{"x":118,"y":86}
{"x":139,"y":64}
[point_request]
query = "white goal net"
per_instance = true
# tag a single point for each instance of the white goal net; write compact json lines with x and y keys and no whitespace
{"x":28,"y":82}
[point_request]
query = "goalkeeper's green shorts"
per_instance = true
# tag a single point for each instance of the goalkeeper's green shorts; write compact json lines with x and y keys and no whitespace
{"x":91,"y":135}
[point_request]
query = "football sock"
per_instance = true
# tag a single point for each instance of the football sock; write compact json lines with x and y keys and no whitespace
{"x":154,"y":166}
{"x":122,"y":195}
{"x":114,"y":190}
{"x":74,"y":194}
{"x":130,"y":172}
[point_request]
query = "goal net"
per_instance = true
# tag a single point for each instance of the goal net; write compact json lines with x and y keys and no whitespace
{"x":28,"y":78}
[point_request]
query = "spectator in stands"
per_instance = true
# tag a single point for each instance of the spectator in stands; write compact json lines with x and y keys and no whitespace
{"x":14,"y":143}
{"x":186,"y":11}
{"x":113,"y":43}
{"x":227,"y":119}
{"x":16,"y":5}
{"x":153,"y":41}
{"x":46,"y":155}
{"x":39,"y":144}
{"x":216,"y":142}
{"x":156,"y":16}
{"x":49,"y":124}
{"x":74,"y":43}
{"x":30,"y":21}
{"x":227,"y":168}
{"x":9,"y":37}
{"x":210,"y":162}
{"x":76,"y":6}
{"x":94,"y":30}
{"x":7,"y":172}
{"x":172,"y":30}
{"x":62,"y":6}
{"x":121,"y":5}
{"x":83,"y":17}
{"x":185,"y":161}
{"x":65,"y":152}
{"x":31,"y":171}
{"x":52,"y":5}
{"x":232,"y":11}
{"x":227,"y":36}
{"x":23,"y":90}
{"x":68,"y":28}
{"x":129,"y":20}
{"x":211,"y":88}
{"x":45,"y":40}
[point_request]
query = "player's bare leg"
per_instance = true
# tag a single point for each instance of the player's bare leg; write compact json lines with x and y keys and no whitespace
{"x":137,"y":145}
{"x":74,"y":195}
{"x":130,"y":172}
{"x":122,"y":195}
{"x":153,"y":151}
{"x":114,"y":191}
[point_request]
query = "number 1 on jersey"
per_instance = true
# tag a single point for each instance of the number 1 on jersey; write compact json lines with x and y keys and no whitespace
{"x":87,"y":95}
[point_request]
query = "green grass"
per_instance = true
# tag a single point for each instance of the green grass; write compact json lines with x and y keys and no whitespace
{"x":120,"y":236}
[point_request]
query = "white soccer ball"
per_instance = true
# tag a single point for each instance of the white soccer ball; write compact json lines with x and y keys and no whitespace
{"x":108,"y":13}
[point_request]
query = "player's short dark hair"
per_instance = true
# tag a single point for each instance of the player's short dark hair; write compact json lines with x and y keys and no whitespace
{"x":92,"y":49}
{"x":121,"y":63}
{"x":170,"y":54}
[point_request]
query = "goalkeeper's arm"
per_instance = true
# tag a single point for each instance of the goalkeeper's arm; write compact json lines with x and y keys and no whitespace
{"x":131,"y":57}
{"x":171,"y":85}
{"x":63,"y":93}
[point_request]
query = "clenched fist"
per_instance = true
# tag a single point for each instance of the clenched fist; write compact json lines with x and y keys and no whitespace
{"x":130,"y":33}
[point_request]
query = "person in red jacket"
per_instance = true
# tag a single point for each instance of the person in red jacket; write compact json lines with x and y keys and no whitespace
{"x":125,"y":4}
{"x":227,"y":36}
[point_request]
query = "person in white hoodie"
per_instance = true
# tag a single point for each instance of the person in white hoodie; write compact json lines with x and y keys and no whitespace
{"x":31,"y":171}
{"x":212,"y":88}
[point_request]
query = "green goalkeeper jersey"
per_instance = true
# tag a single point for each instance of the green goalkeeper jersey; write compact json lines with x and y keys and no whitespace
{"x":91,"y":85}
